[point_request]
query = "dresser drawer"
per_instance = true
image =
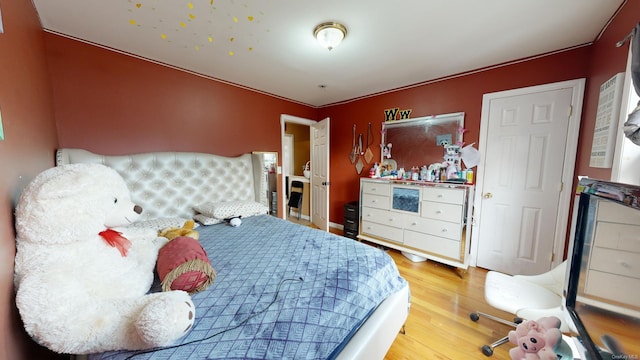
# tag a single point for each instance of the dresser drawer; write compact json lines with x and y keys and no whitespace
{"x":384,"y":231}
{"x":451,"y":196}
{"x":615,"y":262}
{"x":384,"y":217}
{"x":445,"y":229}
{"x":350,"y":234}
{"x":376,"y":201}
{"x":617,"y":236}
{"x":442,"y":211}
{"x":613,"y":212}
{"x":376,"y":188}
{"x":433,"y":244}
{"x":614,"y":287}
{"x":351,"y":224}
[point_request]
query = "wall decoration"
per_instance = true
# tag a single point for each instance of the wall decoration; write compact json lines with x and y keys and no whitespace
{"x":461,"y":131}
{"x":470,"y":156}
{"x":386,"y":150}
{"x":392,"y":114}
{"x":191,"y":15}
{"x":604,"y":132}
{"x":444,"y":139}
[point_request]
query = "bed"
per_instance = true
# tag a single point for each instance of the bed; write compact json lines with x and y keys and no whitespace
{"x":282,"y":290}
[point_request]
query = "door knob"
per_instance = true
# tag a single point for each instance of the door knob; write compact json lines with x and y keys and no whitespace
{"x":487,"y":195}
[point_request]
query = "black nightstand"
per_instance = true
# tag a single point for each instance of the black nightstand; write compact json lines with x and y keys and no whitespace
{"x":351,"y":219}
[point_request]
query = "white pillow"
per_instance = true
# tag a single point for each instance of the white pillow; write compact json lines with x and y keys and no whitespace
{"x":160,"y":223}
{"x":228,"y":209}
{"x":205,"y":220}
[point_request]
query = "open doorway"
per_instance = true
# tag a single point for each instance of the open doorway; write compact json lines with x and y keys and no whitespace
{"x":296,"y":153}
{"x":317,"y":166}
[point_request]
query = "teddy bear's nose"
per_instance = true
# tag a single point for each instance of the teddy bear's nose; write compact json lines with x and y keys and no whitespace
{"x":137,"y":209}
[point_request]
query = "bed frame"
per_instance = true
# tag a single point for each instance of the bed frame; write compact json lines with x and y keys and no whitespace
{"x":169,"y":184}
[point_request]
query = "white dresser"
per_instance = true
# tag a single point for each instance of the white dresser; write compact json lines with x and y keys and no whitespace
{"x":613,"y":270}
{"x":420,"y":218}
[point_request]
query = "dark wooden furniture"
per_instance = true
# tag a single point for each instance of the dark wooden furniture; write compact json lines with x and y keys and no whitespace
{"x":351,"y":219}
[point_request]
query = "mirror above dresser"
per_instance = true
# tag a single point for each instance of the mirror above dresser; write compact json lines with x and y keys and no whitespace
{"x":419,"y":141}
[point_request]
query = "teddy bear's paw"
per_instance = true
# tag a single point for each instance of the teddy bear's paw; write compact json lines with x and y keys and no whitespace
{"x":166,"y":318}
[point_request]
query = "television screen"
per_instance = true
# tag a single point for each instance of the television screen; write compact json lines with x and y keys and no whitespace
{"x":603,"y":290}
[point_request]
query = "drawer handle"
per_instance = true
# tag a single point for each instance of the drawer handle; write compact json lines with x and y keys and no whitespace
{"x":444,"y":230}
{"x":625,"y":264}
{"x":440,"y":195}
{"x":390,"y":219}
{"x":414,"y":223}
{"x":373,"y":201}
{"x":438,"y":211}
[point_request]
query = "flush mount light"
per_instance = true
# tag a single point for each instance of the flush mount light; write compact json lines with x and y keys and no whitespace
{"x":330,"y":34}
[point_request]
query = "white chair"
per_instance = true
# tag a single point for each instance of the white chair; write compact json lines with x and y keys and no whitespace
{"x":528,"y":297}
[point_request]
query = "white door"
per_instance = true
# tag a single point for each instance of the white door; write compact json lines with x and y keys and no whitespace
{"x":320,"y":174}
{"x":287,"y":155}
{"x":525,"y":177}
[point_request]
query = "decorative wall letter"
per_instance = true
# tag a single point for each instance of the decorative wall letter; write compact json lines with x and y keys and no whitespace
{"x":392,"y":114}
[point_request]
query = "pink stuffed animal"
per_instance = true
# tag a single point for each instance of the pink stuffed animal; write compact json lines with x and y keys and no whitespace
{"x":536,"y":339}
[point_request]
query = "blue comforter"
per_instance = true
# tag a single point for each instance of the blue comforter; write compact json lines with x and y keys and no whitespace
{"x":282,"y":291}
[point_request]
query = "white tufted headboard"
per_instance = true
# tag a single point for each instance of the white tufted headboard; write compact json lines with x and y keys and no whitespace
{"x":169,"y":184}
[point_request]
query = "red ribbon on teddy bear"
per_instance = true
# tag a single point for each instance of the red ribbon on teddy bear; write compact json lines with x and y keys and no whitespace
{"x":115,"y":239}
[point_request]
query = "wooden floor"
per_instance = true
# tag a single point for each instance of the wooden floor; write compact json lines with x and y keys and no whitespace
{"x":439,"y":326}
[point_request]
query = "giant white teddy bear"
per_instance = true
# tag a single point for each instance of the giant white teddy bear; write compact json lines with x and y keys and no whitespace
{"x":81,"y":280}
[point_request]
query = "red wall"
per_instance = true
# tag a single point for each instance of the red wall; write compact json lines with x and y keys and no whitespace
{"x":606,"y":61}
{"x":112,"y":103}
{"x":27,"y":149}
{"x":462,"y":93}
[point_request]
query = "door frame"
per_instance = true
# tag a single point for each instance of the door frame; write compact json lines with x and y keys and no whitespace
{"x":284,"y":118}
{"x":571,"y":149}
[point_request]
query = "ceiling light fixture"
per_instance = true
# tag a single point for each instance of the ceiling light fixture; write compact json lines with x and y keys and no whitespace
{"x":330,"y":34}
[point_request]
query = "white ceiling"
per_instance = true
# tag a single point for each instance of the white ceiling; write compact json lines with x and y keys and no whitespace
{"x":268,"y":45}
